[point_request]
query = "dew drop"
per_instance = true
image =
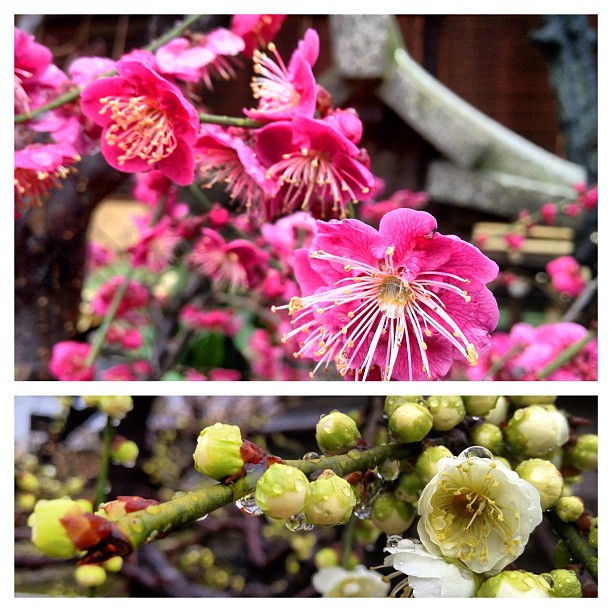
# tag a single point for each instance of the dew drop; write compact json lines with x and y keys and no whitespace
{"x":389,"y":470}
{"x":202,"y":517}
{"x":393,"y":541}
{"x":248,"y":505}
{"x":354,"y":454}
{"x":473,"y":452}
{"x":298,"y":522}
{"x":311,"y":455}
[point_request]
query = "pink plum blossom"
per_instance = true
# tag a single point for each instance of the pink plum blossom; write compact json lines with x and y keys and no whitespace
{"x":146,"y":122}
{"x":39,"y":168}
{"x":399,"y":303}
{"x":68,"y":361}
{"x":211,"y":320}
{"x":200,"y":58}
{"x":283,"y":91}
{"x":288,"y":233}
{"x":234,"y":265}
{"x":315,"y":167}
{"x":256,"y":30}
{"x":135,"y":296}
{"x":566,"y":275}
{"x":31,"y":60}
{"x":514,"y":241}
{"x":548,"y":212}
{"x":155,"y":247}
{"x":372,"y":212}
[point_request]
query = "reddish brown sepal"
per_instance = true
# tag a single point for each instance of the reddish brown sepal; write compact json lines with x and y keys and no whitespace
{"x":251,"y":453}
{"x":133,"y":503}
{"x":116,"y":544}
{"x":86,"y":529}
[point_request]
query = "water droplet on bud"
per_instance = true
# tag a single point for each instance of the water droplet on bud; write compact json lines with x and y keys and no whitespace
{"x":473,"y":452}
{"x":393,"y":541}
{"x":248,"y":505}
{"x":298,"y":523}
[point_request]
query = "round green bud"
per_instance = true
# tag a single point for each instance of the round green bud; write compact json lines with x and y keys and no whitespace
{"x":408,"y":487}
{"x":217,"y":453}
{"x":25,"y":502}
{"x":561,"y":555}
{"x":479,"y":405}
{"x":391,"y":515}
{"x":366,"y":532}
{"x":336,"y":433}
{"x":326,"y":557}
{"x":514,"y":583}
{"x":48,"y":534}
{"x":115,"y":406}
{"x":536,"y":430}
{"x":410,"y":422}
{"x":90,"y":575}
{"x":393,"y":401}
{"x":281,"y":491}
{"x":447,"y":411}
{"x":545,"y":477}
{"x":27,"y":481}
{"x":569,"y":508}
{"x":114,"y":564}
{"x":593,"y":537}
{"x":488,"y":435}
{"x":565,"y":583}
{"x":503,"y":460}
{"x":427,"y":462}
{"x":124,"y":453}
{"x":499,"y":413}
{"x":584,"y":454}
{"x":330,"y":500}
{"x":520,"y":401}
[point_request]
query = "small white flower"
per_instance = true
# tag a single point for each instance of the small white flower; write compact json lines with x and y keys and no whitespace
{"x":479,"y":512}
{"x":428,"y":575}
{"x":358,"y":582}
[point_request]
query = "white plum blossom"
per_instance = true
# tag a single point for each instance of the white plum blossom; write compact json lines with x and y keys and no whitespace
{"x":358,"y":582}
{"x":479,"y":512}
{"x":428,"y":575}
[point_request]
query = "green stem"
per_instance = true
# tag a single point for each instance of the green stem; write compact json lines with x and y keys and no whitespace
{"x":149,"y":524}
{"x":348,"y":535}
{"x":73,"y":94}
{"x":233,"y":121}
{"x":501,"y":362}
{"x":569,"y":353}
{"x":101,"y":484}
{"x":578,"y":548}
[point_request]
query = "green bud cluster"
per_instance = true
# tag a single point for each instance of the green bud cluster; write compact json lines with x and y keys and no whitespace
{"x":393,"y":401}
{"x":569,"y":508}
{"x":536,"y":430}
{"x":391,"y":515}
{"x":90,"y":575}
{"x":545,"y":477}
{"x":515,"y":583}
{"x":583,"y":455}
{"x":427,"y":462}
{"x":479,"y":405}
{"x":488,"y":435}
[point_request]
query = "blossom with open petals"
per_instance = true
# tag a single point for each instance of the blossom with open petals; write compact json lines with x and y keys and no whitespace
{"x":69,"y":361}
{"x":146,"y":122}
{"x":479,"y":512}
{"x":429,"y":575}
{"x":357,"y":582}
{"x":399,"y":303}
{"x":256,"y":30}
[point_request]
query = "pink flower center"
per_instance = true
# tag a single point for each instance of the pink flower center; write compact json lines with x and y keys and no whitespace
{"x":140,"y":128}
{"x":383,"y":307}
{"x":33,"y":186}
{"x":271,"y":85}
{"x":311,"y":173}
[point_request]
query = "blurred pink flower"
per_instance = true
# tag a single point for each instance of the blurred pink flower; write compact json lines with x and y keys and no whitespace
{"x":135,"y":296}
{"x":256,"y":30}
{"x":566,"y":275}
{"x":85,"y":69}
{"x":155,"y":247}
{"x":289,"y":233}
{"x":514,"y":241}
{"x":146,"y":122}
{"x":372,"y":212}
{"x":548,"y":212}
{"x":392,"y":303}
{"x":222,"y":321}
{"x":31,"y":60}
{"x":68,"y":361}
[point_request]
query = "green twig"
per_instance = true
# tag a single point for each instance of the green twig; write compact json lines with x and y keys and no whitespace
{"x":102,"y":482}
{"x":578,"y":548}
{"x":233,"y":121}
{"x":501,"y":362}
{"x":566,"y":355}
{"x":348,"y":535}
{"x":152,"y":522}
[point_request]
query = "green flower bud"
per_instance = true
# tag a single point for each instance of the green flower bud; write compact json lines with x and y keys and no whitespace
{"x":520,"y":401}
{"x":545,"y":477}
{"x":326,"y":557}
{"x":125,"y":452}
{"x":593,"y":536}
{"x":503,"y":460}
{"x":561,"y":555}
{"x":408,"y":487}
{"x":115,"y":406}
{"x":569,"y":508}
{"x":410,"y":422}
{"x":447,"y":411}
{"x":48,"y":534}
{"x":536,"y":430}
{"x":391,"y":515}
{"x":426,"y":465}
{"x":25,"y":502}
{"x":27,"y":481}
{"x":281,"y":491}
{"x":393,"y":401}
{"x":514,"y":583}
{"x":330,"y":500}
{"x":488,"y":435}
{"x":114,"y":564}
{"x":336,"y":433}
{"x":90,"y":575}
{"x":584,"y":454}
{"x":499,"y":413}
{"x":217,"y":453}
{"x":479,"y":405}
{"x":565,"y":583}
{"x":366,"y":532}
